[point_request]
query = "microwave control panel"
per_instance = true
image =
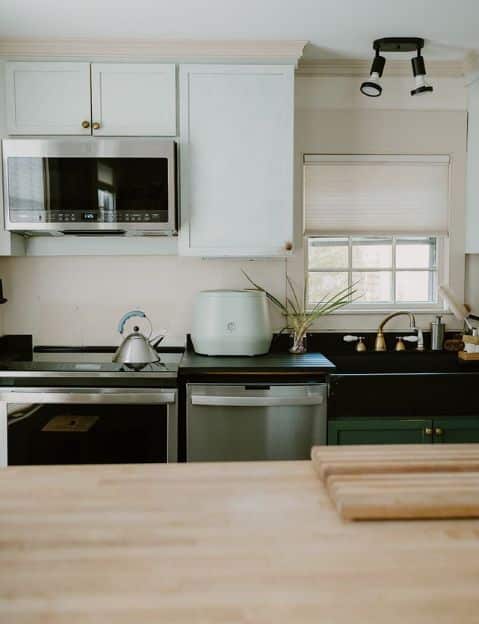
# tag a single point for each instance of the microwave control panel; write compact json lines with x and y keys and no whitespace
{"x":54,"y":216}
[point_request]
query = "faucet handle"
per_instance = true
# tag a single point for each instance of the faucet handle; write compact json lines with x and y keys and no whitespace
{"x":350,"y":338}
{"x":359,"y":339}
{"x":410,"y":338}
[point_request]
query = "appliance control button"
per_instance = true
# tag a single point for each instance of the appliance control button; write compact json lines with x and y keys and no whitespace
{"x":89,"y":216}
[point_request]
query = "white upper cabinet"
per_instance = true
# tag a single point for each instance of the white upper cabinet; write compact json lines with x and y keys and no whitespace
{"x":236,"y":129}
{"x":122,"y":99}
{"x":133,"y":99}
{"x":48,"y":98}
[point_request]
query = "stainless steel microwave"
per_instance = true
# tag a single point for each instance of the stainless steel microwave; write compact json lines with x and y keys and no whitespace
{"x":90,"y":186}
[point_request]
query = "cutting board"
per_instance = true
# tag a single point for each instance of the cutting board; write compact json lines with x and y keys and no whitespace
{"x":401,"y":481}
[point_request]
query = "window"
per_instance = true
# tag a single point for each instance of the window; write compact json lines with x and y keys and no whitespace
{"x":388,"y":271}
{"x":380,"y":223}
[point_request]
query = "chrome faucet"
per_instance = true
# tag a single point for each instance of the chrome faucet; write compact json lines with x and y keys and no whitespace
{"x":380,"y":343}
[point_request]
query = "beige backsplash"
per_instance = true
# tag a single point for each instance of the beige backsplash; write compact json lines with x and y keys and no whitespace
{"x":79,"y":300}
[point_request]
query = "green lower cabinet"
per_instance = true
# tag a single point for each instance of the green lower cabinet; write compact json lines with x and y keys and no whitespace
{"x":403,"y":430}
{"x":456,"y":430}
{"x":380,"y":431}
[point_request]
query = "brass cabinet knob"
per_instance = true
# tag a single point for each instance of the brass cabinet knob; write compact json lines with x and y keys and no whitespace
{"x":85,"y":124}
{"x":428,"y":431}
{"x":95,"y":125}
{"x":438,"y":431}
{"x":288,"y":246}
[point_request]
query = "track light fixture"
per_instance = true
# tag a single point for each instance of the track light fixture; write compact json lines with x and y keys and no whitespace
{"x":372,"y":87}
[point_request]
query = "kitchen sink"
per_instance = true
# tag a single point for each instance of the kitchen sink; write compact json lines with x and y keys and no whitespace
{"x":402,"y":385}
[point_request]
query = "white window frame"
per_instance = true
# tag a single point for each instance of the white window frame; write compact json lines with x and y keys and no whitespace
{"x":442,"y":264}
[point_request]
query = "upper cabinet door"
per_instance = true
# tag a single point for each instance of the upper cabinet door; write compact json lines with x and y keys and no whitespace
{"x":236,"y":129}
{"x":48,"y":98}
{"x":133,"y":99}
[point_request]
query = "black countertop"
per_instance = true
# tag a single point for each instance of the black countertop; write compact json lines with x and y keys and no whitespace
{"x":274,"y":363}
{"x":327,"y":355}
{"x":405,"y":362}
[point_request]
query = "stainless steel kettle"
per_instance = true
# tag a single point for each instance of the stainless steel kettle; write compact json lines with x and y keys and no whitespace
{"x":137,"y":349}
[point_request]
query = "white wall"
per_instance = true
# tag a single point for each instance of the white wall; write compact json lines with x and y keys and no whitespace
{"x":73,"y":300}
{"x":78,"y":300}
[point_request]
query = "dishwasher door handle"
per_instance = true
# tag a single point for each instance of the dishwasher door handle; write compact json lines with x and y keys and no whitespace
{"x":87,"y":395}
{"x":255,"y":401}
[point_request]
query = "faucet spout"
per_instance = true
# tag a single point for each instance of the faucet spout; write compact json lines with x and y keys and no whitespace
{"x":420,"y":339}
{"x":380,"y":343}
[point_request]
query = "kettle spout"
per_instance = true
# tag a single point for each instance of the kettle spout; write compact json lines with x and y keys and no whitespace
{"x":154,"y":342}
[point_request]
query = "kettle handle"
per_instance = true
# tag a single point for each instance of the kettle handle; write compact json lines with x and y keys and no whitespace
{"x":127,"y":316}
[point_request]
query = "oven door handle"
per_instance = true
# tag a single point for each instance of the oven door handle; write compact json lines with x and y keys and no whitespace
{"x":255,"y":401}
{"x":88,"y":395}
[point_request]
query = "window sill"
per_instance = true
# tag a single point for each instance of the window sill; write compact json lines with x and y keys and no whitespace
{"x":376,"y":311}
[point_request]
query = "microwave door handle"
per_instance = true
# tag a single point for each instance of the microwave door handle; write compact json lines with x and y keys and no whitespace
{"x":252,"y":401}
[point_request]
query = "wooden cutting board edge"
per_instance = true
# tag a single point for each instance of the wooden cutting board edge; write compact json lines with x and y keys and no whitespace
{"x":407,"y":480}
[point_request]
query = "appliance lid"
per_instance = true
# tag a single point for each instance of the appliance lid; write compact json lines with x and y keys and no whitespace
{"x":221,"y":293}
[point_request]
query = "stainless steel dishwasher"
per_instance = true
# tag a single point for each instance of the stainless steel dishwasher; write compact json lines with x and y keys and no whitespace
{"x":254,"y":421}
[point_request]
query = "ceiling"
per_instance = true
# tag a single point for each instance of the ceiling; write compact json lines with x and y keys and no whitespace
{"x":342,"y":29}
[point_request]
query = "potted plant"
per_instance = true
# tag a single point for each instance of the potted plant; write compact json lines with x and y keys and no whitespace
{"x":297,"y":317}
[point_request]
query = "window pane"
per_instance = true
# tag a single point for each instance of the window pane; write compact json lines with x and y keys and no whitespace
{"x":322,"y":286}
{"x":416,"y":254}
{"x":414,"y":286}
{"x":373,"y":286}
{"x":328,"y":253}
{"x":372,"y":253}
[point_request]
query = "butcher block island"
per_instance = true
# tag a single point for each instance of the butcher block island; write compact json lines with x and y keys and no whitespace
{"x":232,"y":543}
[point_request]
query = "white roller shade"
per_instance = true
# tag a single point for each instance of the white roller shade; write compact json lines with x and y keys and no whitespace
{"x":376,"y":194}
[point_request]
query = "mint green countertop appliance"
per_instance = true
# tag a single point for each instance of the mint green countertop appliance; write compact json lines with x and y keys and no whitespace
{"x":231,"y":322}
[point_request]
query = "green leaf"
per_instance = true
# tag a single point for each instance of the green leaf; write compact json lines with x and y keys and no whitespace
{"x":296,"y":316}
{"x":272,"y":298}
{"x":295,"y":297}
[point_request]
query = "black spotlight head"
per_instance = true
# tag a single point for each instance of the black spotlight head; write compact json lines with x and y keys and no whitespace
{"x":419,"y":71}
{"x":422,"y":89}
{"x":371,"y":87}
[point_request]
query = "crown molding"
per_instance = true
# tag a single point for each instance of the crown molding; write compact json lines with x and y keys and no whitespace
{"x":352,"y":67}
{"x":174,"y":50}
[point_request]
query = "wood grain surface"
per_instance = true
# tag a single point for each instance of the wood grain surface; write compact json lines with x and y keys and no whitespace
{"x":401,"y":481}
{"x":394,"y":458}
{"x":256,"y":543}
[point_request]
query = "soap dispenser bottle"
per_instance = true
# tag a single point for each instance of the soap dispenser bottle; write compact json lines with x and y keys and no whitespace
{"x":437,"y":334}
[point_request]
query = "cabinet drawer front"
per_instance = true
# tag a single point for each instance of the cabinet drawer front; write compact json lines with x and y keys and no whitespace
{"x":380,"y":431}
{"x":456,"y":430}
{"x":48,"y":98}
{"x":133,"y":99}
